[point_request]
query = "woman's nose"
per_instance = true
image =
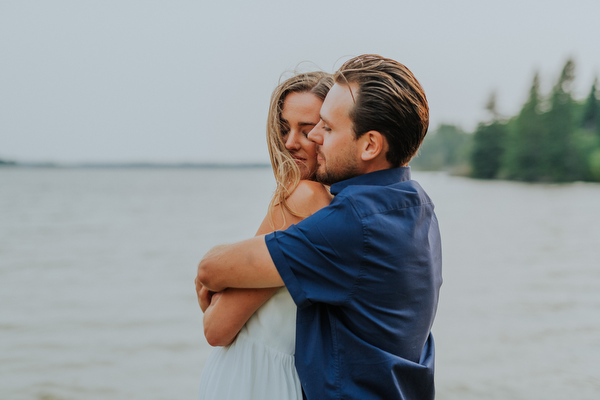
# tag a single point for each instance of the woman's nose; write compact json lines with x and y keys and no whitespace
{"x":292,"y":142}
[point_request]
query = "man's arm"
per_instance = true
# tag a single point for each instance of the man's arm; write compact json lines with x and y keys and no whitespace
{"x":248,"y":264}
{"x":245,"y":264}
{"x":225,"y":312}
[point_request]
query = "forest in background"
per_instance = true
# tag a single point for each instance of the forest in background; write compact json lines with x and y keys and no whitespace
{"x":553,"y":138}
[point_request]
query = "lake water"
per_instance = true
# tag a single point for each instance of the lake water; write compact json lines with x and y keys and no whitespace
{"x":97,"y":296}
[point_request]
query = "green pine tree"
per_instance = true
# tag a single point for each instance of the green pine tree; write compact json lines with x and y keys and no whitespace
{"x":590,"y":120}
{"x":587,"y":138}
{"x":561,"y":159}
{"x":523,"y":158}
{"x":488,"y":144}
{"x":488,"y":150}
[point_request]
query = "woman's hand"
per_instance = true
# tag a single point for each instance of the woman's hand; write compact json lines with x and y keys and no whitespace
{"x":206,"y":297}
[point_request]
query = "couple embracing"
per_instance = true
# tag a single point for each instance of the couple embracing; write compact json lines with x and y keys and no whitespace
{"x":335,"y":296}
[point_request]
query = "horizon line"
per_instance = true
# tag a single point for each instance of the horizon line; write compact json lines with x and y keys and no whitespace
{"x":132,"y":164}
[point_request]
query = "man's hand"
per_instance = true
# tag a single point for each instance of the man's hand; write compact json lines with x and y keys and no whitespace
{"x":245,"y":264}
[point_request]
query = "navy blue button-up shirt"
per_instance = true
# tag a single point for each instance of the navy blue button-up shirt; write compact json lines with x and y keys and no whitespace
{"x":365,"y":273}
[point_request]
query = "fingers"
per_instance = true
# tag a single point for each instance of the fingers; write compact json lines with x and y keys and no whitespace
{"x":204,"y":298}
{"x":198,"y":284}
{"x":204,"y":295}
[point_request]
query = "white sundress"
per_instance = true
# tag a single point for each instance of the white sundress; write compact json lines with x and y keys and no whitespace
{"x":259,"y":364}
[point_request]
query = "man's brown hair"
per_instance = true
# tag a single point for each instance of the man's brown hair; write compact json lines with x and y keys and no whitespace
{"x":389,"y":100}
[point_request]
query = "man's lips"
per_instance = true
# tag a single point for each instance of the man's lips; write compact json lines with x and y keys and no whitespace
{"x":320,"y":157}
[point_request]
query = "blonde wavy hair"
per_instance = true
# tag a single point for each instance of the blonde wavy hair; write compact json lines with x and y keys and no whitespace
{"x":287,"y":173}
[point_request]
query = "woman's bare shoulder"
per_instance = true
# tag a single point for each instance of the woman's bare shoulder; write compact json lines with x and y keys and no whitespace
{"x":309,"y":197}
{"x":306,"y":199}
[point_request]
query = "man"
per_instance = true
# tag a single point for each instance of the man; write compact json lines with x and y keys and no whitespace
{"x":365,"y":271}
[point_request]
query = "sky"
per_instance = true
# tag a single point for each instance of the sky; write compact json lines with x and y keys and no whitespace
{"x":190,"y":81}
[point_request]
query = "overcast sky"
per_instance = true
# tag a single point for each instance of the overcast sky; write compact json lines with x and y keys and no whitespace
{"x":189,"y":81}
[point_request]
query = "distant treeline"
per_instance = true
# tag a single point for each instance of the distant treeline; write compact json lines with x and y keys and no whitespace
{"x":554,"y":138}
{"x":6,"y":163}
{"x":135,"y":165}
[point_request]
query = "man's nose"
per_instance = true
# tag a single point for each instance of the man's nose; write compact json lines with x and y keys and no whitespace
{"x":292,"y":142}
{"x":316,"y":134}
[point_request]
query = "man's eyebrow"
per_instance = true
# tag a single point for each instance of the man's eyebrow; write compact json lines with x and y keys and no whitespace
{"x":324,"y":120}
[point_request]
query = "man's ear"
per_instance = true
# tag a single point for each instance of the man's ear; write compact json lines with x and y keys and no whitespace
{"x":373,"y":144}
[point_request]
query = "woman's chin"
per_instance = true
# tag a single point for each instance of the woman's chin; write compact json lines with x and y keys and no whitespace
{"x":308,"y":175}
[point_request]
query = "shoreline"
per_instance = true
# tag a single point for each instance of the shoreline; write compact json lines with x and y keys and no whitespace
{"x":131,"y":165}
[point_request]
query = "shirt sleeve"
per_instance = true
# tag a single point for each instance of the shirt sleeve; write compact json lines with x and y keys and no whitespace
{"x":319,"y":259}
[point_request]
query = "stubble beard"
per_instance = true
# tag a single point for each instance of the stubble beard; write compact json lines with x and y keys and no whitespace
{"x":331,"y":176}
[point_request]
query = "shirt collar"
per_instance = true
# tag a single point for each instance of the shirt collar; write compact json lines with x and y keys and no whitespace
{"x":383,"y":177}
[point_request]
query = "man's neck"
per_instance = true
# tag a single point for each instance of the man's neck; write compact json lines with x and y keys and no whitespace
{"x":376,"y":165}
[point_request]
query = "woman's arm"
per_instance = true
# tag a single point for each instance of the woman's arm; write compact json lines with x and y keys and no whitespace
{"x":226,"y":312}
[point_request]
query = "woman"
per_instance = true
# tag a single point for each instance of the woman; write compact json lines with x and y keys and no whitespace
{"x":257,"y":360}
